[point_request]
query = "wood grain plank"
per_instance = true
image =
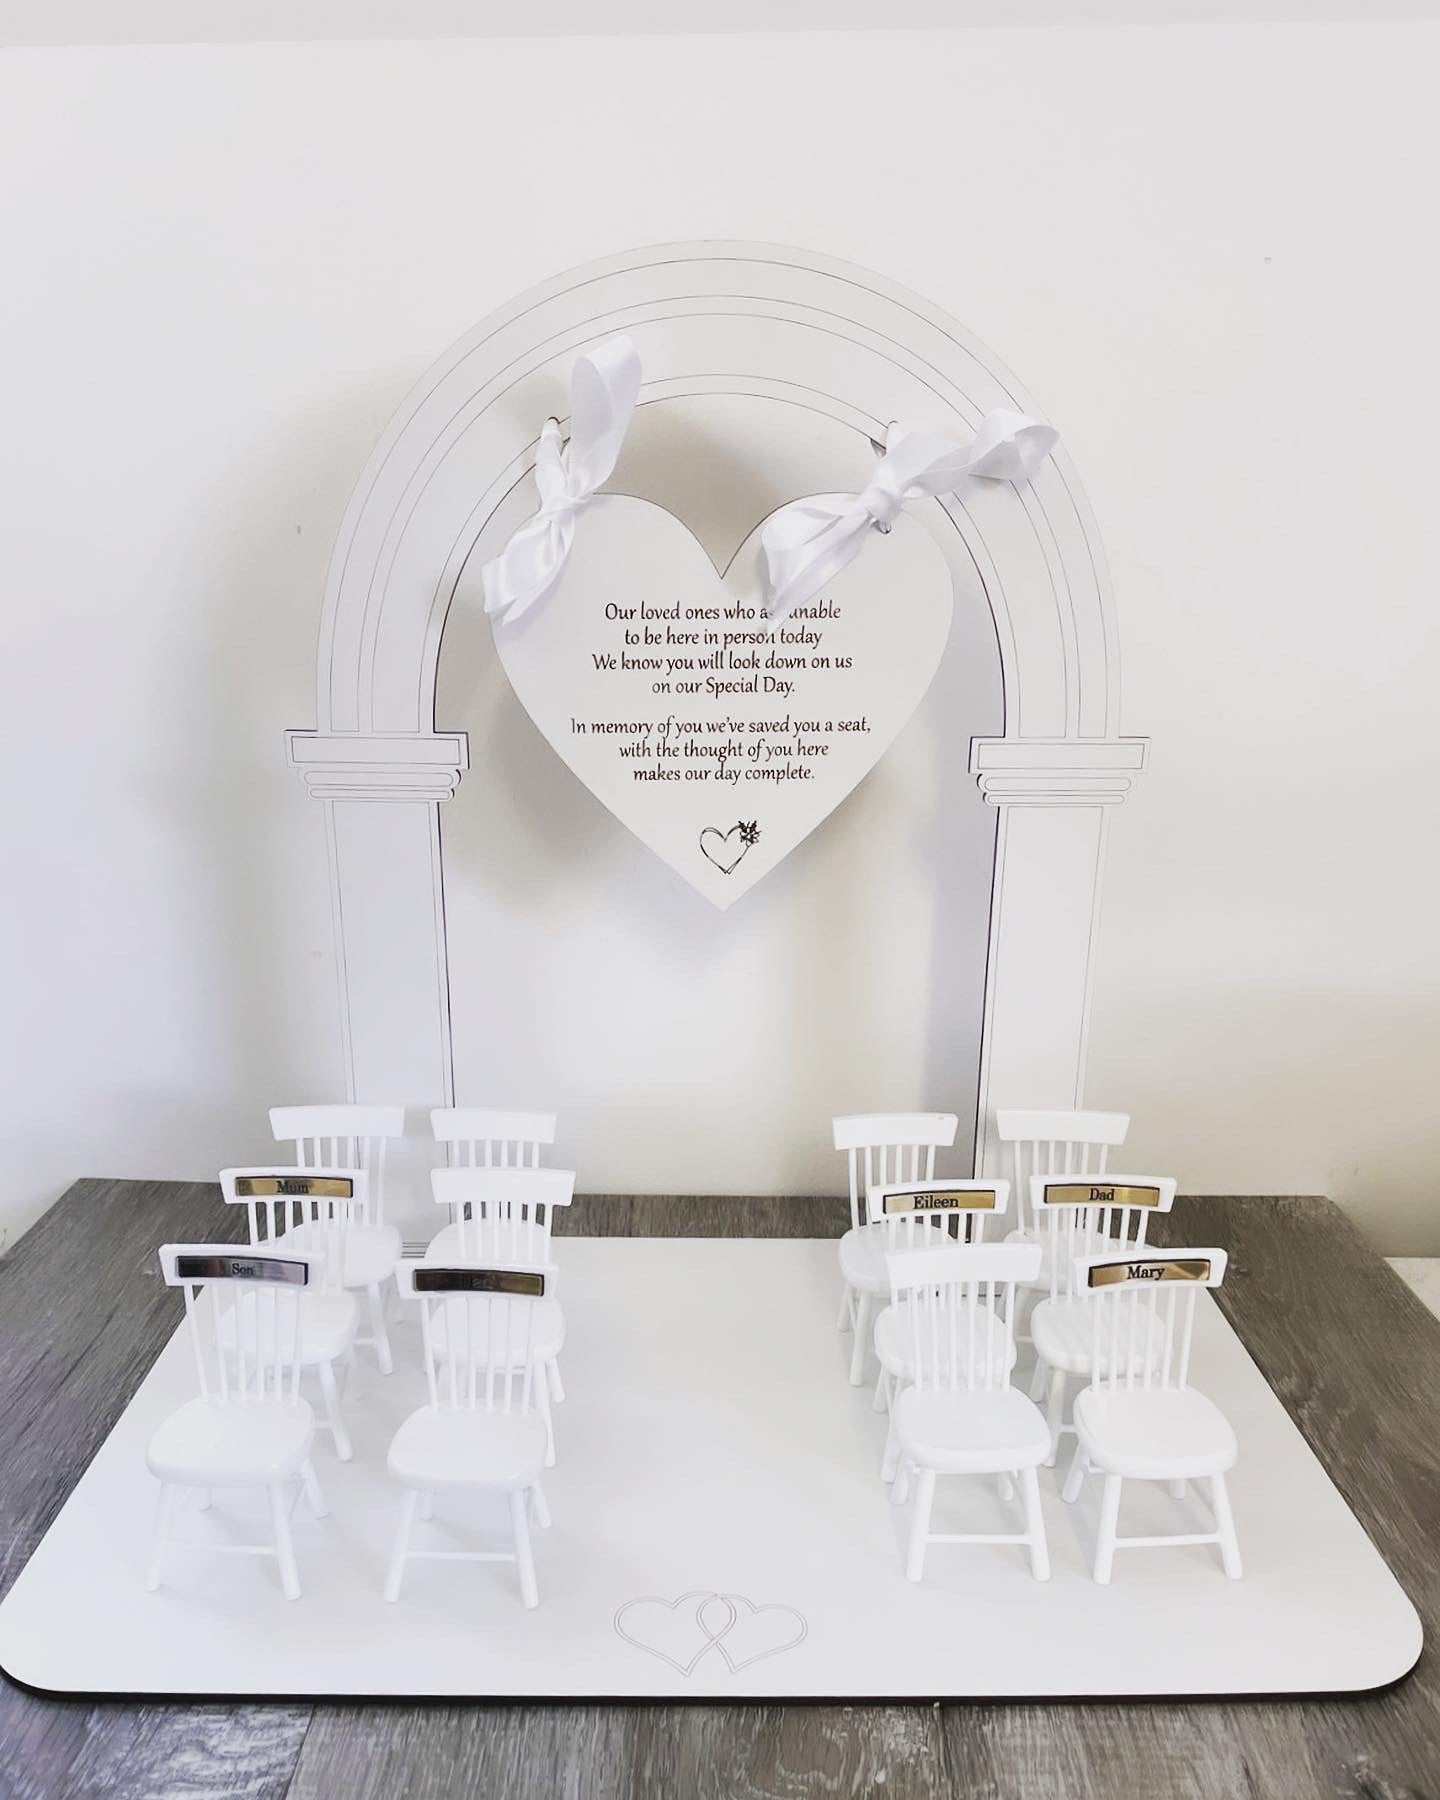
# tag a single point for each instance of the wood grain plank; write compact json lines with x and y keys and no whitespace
{"x":83,"y":1314}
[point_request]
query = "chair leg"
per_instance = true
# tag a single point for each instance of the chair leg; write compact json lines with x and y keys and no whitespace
{"x":284,"y":1549}
{"x":1109,"y":1518}
{"x":1177,"y":1489}
{"x":1075,"y":1476}
{"x":1005,"y":1485}
{"x":538,"y":1506}
{"x":542,"y":1400}
{"x":1055,"y":1414}
{"x":1039,"y":1375}
{"x":203,"y":1497}
{"x":398,"y":1552}
{"x":900,"y":1487}
{"x":427,"y":1504}
{"x":382,"y":1335}
{"x":329,"y":1388}
{"x":920,"y":1524}
{"x":862,"y":1332}
{"x":529,"y":1593}
{"x":164,"y":1519}
{"x":1035,"y":1525}
{"x":844,"y":1320}
{"x":314,"y":1493}
{"x":881,"y":1402}
{"x":557,"y":1386}
{"x":891,"y":1455}
{"x":1225,"y":1526}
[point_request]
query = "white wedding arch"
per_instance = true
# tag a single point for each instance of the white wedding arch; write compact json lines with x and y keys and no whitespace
{"x":709,"y":318}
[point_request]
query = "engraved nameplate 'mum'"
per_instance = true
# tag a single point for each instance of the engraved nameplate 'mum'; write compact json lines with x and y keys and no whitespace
{"x":931,"y":1199}
{"x":529,"y":1284}
{"x":294,"y":1187}
{"x":1193,"y":1268}
{"x":242,"y":1268}
{"x":1084,"y":1193}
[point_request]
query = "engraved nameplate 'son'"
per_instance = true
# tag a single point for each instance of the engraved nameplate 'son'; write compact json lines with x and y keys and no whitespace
{"x":290,"y":1186}
{"x":1194,"y":1268}
{"x":940,"y":1199}
{"x":242,"y":1268}
{"x":1084,"y":1193}
{"x":530,"y":1284}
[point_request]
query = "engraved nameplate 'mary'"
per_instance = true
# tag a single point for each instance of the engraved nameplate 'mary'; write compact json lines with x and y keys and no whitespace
{"x":294,"y":1187}
{"x":1193,"y":1268}
{"x":242,"y":1268}
{"x":940,"y":1199}
{"x":530,"y":1284}
{"x":1084,"y":1193}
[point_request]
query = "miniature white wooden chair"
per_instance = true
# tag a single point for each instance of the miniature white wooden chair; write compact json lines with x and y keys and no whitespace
{"x":961,"y":1416}
{"x":280,"y":1201}
{"x":249,"y":1427}
{"x":1053,"y":1143}
{"x":925,"y":1215}
{"x":881,"y":1148}
{"x":1081,"y":1215}
{"x":1140,"y":1419}
{"x":482,"y":1137}
{"x":481,"y":1429}
{"x":505,"y":1216}
{"x":353,"y":1137}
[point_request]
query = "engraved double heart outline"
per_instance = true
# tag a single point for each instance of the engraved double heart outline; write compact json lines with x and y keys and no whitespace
{"x":681,"y":1632}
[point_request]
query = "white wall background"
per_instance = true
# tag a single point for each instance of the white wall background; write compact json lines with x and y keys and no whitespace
{"x":1212,"y":252}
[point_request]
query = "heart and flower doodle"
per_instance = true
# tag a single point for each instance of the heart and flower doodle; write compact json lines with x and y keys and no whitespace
{"x":726,"y":849}
{"x":683,"y":1632}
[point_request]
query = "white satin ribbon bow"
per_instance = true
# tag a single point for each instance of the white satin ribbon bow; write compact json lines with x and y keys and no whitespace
{"x":808,"y":542}
{"x":604,"y":386}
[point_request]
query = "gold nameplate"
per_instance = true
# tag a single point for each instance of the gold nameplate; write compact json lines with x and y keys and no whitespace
{"x":529,"y":1284}
{"x":294,"y":1187}
{"x":1084,"y":1193}
{"x":1190,"y":1268}
{"x":939,"y":1199}
{"x":241,"y":1268}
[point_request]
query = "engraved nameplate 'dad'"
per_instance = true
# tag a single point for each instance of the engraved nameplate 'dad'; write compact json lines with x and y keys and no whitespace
{"x":530,"y":1284}
{"x":933,"y":1198}
{"x":1084,"y":1193}
{"x":1193,"y":1268}
{"x":290,"y":1186}
{"x":242,"y":1268}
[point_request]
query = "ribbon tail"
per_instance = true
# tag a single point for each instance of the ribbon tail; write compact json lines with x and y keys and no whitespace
{"x":799,"y":562}
{"x":604,"y":386}
{"x":528,"y":568}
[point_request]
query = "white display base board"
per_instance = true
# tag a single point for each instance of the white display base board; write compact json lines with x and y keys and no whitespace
{"x":720,"y":1530}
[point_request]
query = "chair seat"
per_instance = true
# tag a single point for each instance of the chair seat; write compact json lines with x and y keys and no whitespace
{"x":327,"y":1325}
{"x":893,"y":1343}
{"x":206,"y":1444}
{"x":468,"y":1448}
{"x":1154,"y":1434}
{"x":1061,"y":1333}
{"x":369,"y":1252}
{"x":862,"y":1258}
{"x":970,"y":1431}
{"x":547,"y":1331}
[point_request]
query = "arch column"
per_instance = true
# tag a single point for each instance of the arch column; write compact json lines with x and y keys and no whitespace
{"x":382,"y":795}
{"x":1054,"y":798}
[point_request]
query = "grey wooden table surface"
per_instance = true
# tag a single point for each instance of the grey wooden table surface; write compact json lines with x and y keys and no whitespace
{"x":1349,"y":1349}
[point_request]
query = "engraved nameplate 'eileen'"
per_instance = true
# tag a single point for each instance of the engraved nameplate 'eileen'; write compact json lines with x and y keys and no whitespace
{"x":1083,"y":1193}
{"x":1193,"y":1268}
{"x":294,"y":1187}
{"x":242,"y":1268}
{"x":530,"y":1284}
{"x":940,"y":1199}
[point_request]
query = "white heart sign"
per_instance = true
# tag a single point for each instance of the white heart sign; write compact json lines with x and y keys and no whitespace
{"x":721,"y":742}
